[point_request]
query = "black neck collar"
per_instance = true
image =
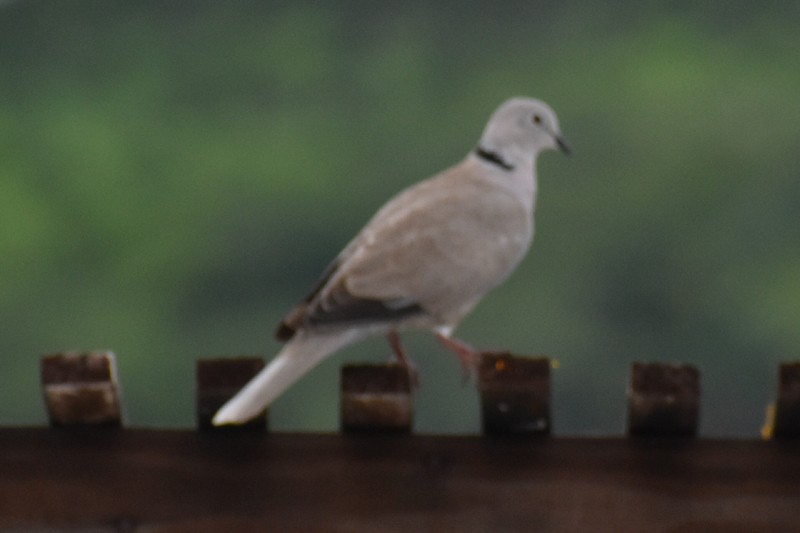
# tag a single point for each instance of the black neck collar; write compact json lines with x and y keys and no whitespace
{"x":493,"y":158}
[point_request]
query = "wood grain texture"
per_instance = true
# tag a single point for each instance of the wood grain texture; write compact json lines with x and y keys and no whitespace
{"x":162,"y":480}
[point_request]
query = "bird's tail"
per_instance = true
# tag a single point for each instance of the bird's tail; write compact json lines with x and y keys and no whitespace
{"x":296,"y":358}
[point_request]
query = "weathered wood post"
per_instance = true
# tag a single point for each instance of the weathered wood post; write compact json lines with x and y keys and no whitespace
{"x":785,"y":423}
{"x":217,"y":381}
{"x":663,"y":400}
{"x":376,"y":398}
{"x":515,"y":394}
{"x":81,"y":389}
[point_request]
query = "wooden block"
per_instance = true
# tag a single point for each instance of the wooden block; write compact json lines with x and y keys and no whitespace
{"x":787,"y":407}
{"x":81,"y":389}
{"x":663,"y":400}
{"x":218,"y":380}
{"x":376,"y":398}
{"x":515,"y":394}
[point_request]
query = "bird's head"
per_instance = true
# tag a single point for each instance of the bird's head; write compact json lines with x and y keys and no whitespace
{"x":523,"y":127}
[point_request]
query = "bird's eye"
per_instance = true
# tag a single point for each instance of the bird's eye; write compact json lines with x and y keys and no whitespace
{"x":537,"y":119}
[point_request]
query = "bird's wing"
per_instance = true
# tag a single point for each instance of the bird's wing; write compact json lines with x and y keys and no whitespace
{"x":435,"y":249}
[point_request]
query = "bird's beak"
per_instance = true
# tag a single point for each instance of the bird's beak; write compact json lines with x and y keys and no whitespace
{"x":563,"y":145}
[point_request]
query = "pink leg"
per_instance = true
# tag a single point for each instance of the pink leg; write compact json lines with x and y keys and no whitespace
{"x":397,"y":349}
{"x":467,"y":355}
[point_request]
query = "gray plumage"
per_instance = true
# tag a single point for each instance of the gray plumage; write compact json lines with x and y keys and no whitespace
{"x":425,"y":259}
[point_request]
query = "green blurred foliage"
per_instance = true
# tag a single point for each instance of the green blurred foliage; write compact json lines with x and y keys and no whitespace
{"x":174,"y":175}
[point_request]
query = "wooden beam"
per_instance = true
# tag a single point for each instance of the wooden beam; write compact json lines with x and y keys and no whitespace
{"x":172,"y":481}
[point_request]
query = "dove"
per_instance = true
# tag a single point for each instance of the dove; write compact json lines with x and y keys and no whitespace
{"x":423,"y":261}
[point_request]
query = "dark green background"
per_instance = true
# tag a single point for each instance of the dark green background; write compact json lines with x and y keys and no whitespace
{"x":174,"y":175}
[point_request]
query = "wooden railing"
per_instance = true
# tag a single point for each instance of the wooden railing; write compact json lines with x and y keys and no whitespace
{"x":91,"y":473}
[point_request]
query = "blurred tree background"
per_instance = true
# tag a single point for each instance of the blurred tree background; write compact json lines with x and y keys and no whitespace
{"x":174,"y":176}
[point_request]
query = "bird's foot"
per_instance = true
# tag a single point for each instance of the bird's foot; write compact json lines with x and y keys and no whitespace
{"x":400,"y":355}
{"x":467,"y":355}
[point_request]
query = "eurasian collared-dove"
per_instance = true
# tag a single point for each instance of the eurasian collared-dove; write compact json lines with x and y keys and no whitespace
{"x":424,"y":260}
